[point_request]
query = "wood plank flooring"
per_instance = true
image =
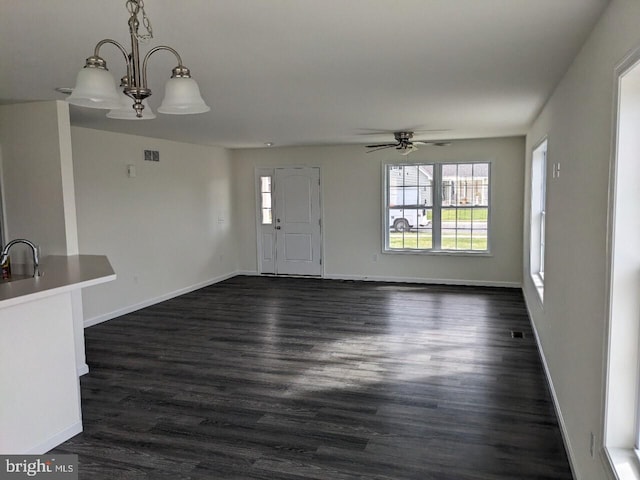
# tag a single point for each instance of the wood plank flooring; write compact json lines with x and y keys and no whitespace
{"x":289,"y":379}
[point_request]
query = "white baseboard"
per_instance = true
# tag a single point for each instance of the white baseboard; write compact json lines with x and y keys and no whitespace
{"x":247,"y":273}
{"x":56,"y":440}
{"x":376,"y":278}
{"x":556,"y":403}
{"x":431,"y":281}
{"x":89,"y":322}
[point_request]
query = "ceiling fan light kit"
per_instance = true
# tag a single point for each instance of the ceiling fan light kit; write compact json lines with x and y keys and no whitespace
{"x":95,"y":86}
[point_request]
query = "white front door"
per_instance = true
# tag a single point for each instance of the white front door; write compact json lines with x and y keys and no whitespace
{"x":289,"y":238}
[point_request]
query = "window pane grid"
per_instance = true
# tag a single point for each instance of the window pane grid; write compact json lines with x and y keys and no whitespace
{"x":462,"y":203}
{"x":266,"y":200}
{"x":409,"y":194}
{"x":465,"y":193}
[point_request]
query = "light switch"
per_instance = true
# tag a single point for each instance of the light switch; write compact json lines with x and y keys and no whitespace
{"x":131,"y":171}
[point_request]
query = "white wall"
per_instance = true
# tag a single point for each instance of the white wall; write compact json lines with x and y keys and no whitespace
{"x":166,"y":231}
{"x":36,"y":165}
{"x":572,"y":324}
{"x":352,"y":205}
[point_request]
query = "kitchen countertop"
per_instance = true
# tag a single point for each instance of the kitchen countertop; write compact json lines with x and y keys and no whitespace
{"x":59,"y":274}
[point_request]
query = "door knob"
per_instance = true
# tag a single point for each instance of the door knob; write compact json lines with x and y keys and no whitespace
{"x":278,"y":227}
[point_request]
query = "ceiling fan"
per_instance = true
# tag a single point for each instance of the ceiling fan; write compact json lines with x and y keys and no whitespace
{"x":404,"y":143}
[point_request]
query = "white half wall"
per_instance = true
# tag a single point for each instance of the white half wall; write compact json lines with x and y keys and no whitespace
{"x":572,"y":323}
{"x":166,"y":230}
{"x":41,"y":394}
{"x":352,"y":211}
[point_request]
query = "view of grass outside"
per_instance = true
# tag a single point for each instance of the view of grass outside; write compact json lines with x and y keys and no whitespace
{"x":462,"y":229}
{"x":422,"y":241}
{"x":464,"y":241}
{"x":452,"y":214}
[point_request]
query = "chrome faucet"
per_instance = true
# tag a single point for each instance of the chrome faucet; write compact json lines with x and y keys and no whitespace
{"x":34,"y":249}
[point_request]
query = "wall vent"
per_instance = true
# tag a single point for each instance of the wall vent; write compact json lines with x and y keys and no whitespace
{"x":152,"y":155}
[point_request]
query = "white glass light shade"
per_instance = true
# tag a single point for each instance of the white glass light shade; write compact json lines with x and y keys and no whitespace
{"x":182,"y":97}
{"x":95,"y":88}
{"x":126,"y":111}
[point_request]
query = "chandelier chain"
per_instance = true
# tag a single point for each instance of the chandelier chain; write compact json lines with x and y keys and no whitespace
{"x":134,"y":6}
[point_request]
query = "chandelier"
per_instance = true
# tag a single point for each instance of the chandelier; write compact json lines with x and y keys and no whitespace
{"x":96,"y":88}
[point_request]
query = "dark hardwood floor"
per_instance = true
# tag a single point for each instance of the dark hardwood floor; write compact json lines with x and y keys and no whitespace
{"x":288,"y":379}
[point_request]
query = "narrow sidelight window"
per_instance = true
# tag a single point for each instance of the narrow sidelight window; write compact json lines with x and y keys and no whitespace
{"x":266,"y":204}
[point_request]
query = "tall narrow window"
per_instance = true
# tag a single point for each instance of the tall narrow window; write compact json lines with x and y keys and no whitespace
{"x":266,"y":200}
{"x":437,"y":207}
{"x":410,"y":201}
{"x":538,"y":213}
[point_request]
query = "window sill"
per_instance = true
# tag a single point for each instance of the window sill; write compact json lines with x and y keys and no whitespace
{"x":623,"y":463}
{"x":538,"y":282}
{"x":455,"y":253}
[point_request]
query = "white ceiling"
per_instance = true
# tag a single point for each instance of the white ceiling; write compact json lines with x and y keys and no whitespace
{"x":311,"y":72}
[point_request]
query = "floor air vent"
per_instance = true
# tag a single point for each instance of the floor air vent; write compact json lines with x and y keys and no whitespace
{"x":517,"y":334}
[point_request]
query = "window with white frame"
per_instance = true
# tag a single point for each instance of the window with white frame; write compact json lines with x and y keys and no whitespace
{"x":266,"y":201}
{"x":437,"y":207}
{"x":537,"y":217}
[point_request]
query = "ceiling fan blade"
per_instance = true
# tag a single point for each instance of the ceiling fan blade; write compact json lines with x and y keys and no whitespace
{"x":432,"y":131}
{"x":380,"y":147}
{"x":373,"y":131}
{"x":432,"y":142}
